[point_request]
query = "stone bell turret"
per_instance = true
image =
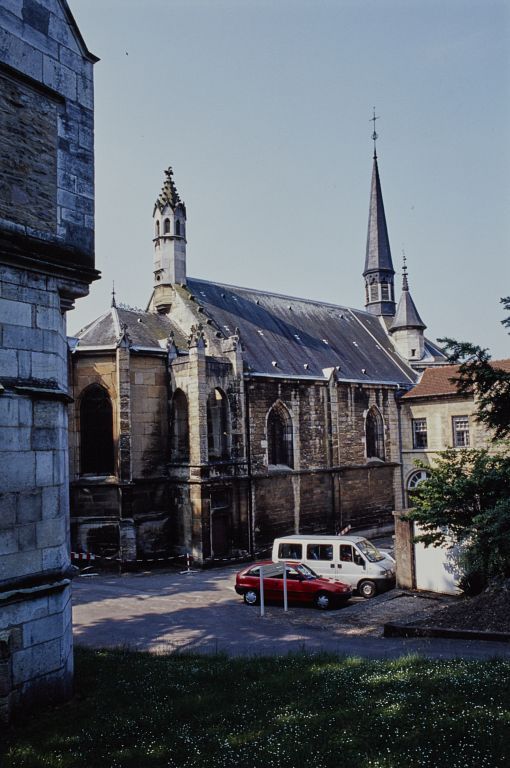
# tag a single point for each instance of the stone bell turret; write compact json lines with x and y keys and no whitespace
{"x":169,"y":238}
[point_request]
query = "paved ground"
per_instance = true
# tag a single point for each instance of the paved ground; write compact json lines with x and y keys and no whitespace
{"x":200,"y":612}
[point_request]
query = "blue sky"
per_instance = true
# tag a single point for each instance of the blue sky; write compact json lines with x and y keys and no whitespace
{"x":263,"y":109}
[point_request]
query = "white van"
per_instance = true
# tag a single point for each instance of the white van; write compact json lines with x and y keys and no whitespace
{"x":351,"y":559}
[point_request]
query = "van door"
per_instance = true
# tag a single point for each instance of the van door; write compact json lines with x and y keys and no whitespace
{"x":350,"y":565}
{"x":319,"y":557}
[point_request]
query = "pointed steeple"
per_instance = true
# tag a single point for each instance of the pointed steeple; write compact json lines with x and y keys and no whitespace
{"x":379,"y":272}
{"x":169,"y":216}
{"x":407,"y":327}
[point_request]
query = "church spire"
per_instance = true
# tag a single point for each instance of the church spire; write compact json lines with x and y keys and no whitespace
{"x":379,"y":272}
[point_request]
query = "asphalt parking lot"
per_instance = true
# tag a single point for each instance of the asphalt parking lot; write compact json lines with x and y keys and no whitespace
{"x":170,"y":611}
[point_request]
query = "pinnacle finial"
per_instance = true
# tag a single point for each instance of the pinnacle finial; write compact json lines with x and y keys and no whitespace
{"x":375,"y":135}
{"x":114,"y":303}
{"x":405,"y":285}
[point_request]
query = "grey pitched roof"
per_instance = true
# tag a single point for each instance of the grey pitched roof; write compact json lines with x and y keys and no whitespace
{"x":406,"y":315}
{"x":145,"y":330}
{"x":298,"y":337}
{"x":378,"y":254}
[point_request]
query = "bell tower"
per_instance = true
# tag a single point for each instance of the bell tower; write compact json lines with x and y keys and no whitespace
{"x":169,"y":216}
{"x":379,"y":272}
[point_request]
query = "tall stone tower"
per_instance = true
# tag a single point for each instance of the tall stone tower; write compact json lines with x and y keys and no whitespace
{"x":169,"y":241}
{"x":379,"y":272}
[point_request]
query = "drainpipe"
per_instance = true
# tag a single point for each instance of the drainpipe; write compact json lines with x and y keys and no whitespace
{"x":248,"y":465}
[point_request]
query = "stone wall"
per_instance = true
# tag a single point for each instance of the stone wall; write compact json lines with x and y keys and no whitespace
{"x":46,"y":261}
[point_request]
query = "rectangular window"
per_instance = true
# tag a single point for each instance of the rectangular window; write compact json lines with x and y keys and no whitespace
{"x":374,"y":292}
{"x":385,"y":292}
{"x":460,"y":426}
{"x":419,"y":433}
{"x":319,"y":552}
{"x":290,"y":551}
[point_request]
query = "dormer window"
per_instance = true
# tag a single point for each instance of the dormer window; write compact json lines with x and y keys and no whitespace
{"x":166,"y":227}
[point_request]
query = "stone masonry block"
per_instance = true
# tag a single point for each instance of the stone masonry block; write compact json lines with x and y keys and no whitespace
{"x":20,"y":564}
{"x":26,"y":537}
{"x":21,"y":55}
{"x":44,"y":468}
{"x":51,"y":533}
{"x":15,"y":313}
{"x":8,"y":504}
{"x":8,"y":542}
{"x":50,"y":503}
{"x":29,"y":507}
{"x":36,"y":661}
{"x":14,"y":6}
{"x":47,"y":366}
{"x":9,"y":414}
{"x":60,"y":78}
{"x":43,"y":630}
{"x":26,"y":610}
{"x":48,"y":414}
{"x":55,"y":557}
{"x":17,"y":474}
{"x":12,"y":439}
{"x":48,"y":319}
{"x":60,"y":30}
{"x":15,"y":337}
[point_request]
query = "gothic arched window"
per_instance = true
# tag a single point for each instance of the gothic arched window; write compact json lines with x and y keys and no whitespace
{"x":217,"y":425}
{"x":280,"y":444}
{"x":156,"y":232}
{"x":180,"y":427}
{"x":96,"y":432}
{"x":374,"y":434}
{"x":166,"y":227}
{"x":177,"y":227}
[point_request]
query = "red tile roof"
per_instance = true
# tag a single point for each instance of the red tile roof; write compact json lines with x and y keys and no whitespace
{"x":436,"y":381}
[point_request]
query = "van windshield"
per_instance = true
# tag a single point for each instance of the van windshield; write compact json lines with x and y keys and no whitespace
{"x":371,"y":553}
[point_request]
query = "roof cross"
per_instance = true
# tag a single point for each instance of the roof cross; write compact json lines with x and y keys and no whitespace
{"x":374,"y":134}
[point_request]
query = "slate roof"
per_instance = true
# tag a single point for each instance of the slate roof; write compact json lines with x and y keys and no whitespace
{"x":145,"y":330}
{"x":406,"y":315}
{"x":435,"y":382}
{"x":378,"y":253}
{"x":302,"y":337}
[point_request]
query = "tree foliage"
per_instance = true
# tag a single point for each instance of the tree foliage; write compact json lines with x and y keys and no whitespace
{"x":466,"y":494}
{"x":465,"y":497}
{"x":490,"y":383}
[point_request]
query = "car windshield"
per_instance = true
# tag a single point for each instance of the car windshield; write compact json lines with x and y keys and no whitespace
{"x":305,"y":571}
{"x":371,"y":553}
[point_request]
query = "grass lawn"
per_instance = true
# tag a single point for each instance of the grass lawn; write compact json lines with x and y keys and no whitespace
{"x":137,"y":710}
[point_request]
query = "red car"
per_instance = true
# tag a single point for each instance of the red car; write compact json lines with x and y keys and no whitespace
{"x":303,"y":585}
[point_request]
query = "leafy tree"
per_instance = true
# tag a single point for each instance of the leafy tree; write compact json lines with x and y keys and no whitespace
{"x":465,"y":496}
{"x":490,"y":383}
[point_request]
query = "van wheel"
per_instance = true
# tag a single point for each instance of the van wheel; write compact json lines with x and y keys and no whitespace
{"x":251,"y":597}
{"x":323,"y":601}
{"x":367,"y":589}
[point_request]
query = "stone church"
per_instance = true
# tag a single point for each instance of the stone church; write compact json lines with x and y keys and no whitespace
{"x":220,"y":417}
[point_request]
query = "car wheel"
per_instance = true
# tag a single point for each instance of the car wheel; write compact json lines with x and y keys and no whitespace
{"x":323,"y":601}
{"x":251,"y":597}
{"x":367,"y":589}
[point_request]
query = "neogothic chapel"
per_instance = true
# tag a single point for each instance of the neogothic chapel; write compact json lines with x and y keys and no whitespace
{"x":222,"y":417}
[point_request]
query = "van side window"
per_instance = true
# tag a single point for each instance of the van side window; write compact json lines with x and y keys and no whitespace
{"x":290,"y":551}
{"x":319,"y":552}
{"x":346,"y":553}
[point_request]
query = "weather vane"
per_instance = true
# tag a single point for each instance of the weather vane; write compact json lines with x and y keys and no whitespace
{"x":374,"y":134}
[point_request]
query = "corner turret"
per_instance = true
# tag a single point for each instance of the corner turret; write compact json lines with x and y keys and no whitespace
{"x":169,"y":216}
{"x":407,"y":327}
